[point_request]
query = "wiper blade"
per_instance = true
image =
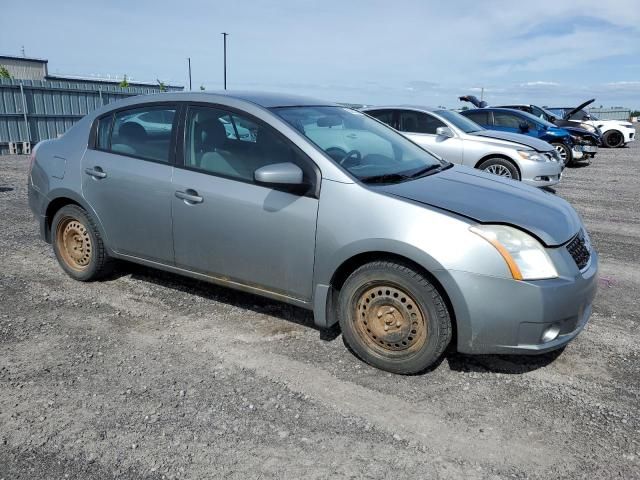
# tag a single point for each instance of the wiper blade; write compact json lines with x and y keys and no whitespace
{"x":385,"y":178}
{"x":425,"y":170}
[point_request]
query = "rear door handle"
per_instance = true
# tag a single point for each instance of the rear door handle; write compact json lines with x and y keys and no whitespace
{"x":95,"y":172}
{"x":189,"y":196}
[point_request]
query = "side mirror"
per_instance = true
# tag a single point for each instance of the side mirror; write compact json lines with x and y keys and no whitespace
{"x":524,"y":127}
{"x":586,"y":117}
{"x":279,"y":174}
{"x":444,"y":132}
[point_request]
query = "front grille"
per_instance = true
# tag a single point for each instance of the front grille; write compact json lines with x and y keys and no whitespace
{"x":579,"y":250}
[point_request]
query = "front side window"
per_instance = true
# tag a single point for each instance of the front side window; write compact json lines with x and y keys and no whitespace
{"x":231,"y":145}
{"x":508,"y":120}
{"x":418,"y":122}
{"x":370,"y":151}
{"x":478,"y":116}
{"x":143,"y":132}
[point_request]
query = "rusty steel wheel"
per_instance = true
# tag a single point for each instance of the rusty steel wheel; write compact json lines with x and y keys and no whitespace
{"x":393,"y":317}
{"x":389,"y":320}
{"x":74,"y":243}
{"x":78,"y":245}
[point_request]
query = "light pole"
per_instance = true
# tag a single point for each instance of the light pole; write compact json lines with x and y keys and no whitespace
{"x":224,"y":36}
{"x":189,"y":59}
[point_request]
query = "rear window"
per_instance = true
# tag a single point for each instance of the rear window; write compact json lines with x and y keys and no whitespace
{"x":104,"y":132}
{"x":141,"y":132}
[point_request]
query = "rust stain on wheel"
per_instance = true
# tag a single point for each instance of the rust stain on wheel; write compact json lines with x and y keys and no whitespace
{"x":389,"y":320}
{"x":74,"y":243}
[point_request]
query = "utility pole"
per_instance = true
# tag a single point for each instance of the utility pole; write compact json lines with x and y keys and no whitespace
{"x":189,"y":60}
{"x":224,"y":35}
{"x":482,"y":94}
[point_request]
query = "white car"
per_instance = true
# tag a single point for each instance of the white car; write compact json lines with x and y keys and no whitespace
{"x":615,"y":133}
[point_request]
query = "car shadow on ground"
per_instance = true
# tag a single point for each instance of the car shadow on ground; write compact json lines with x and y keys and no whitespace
{"x":210,"y":291}
{"x":507,"y":364}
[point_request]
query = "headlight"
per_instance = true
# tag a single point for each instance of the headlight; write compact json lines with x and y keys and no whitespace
{"x":524,"y":255}
{"x":532,"y":155}
{"x":589,"y":128}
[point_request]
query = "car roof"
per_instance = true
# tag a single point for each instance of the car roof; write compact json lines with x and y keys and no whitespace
{"x":421,"y":108}
{"x":271,"y":100}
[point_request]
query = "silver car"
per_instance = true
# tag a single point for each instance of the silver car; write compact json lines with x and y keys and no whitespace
{"x":323,"y":207}
{"x":460,"y":140}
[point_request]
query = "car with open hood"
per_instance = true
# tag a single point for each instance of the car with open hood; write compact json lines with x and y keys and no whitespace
{"x":322,"y":207}
{"x":586,"y":138}
{"x":516,"y":121}
{"x":462,"y":141}
{"x":615,"y":133}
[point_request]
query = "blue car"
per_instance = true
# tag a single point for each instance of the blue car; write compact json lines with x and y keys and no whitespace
{"x":515,"y":121}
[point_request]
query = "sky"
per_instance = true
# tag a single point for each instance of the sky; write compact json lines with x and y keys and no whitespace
{"x":545,"y":52}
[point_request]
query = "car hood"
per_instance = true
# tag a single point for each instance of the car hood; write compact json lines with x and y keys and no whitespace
{"x":567,"y":115}
{"x":581,"y":132}
{"x":532,"y":142}
{"x":487,"y":198}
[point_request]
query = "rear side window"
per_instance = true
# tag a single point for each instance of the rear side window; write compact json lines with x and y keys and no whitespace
{"x":142,"y":132}
{"x":385,"y":116}
{"x":481,"y":118}
{"x":104,"y":132}
{"x":418,"y":122}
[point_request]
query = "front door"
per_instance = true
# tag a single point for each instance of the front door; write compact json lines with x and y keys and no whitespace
{"x":227,"y":226}
{"x":126,"y":179}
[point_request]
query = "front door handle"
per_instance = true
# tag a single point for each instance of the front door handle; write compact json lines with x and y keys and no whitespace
{"x":189,"y":196}
{"x":95,"y":172}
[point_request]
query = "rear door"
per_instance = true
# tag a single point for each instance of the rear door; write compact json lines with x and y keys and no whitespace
{"x":421,"y":127}
{"x":227,"y":226}
{"x":126,"y":178}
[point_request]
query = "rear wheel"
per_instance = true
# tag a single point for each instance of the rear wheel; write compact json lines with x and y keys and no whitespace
{"x":78,"y":245}
{"x":564,"y":152}
{"x":393,"y":318}
{"x":501,"y":167}
{"x":613,"y":139}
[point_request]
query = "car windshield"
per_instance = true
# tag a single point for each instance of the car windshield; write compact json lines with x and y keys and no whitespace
{"x":459,"y":121}
{"x":368,"y":149}
{"x":549,"y":113}
{"x":535,"y":119}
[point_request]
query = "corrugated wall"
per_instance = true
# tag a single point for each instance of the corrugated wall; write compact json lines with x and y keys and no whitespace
{"x":51,"y":107}
{"x":611,"y":113}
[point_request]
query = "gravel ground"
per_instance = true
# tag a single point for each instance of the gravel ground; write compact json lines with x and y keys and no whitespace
{"x":150,"y":375}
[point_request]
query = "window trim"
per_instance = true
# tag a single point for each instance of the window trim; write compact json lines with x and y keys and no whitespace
{"x":181,"y":145}
{"x":93,"y":134}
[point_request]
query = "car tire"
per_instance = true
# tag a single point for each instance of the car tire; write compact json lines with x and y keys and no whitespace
{"x":393,"y":318}
{"x":565,"y":153}
{"x":501,"y":167}
{"x":613,"y":139}
{"x":78,"y":245}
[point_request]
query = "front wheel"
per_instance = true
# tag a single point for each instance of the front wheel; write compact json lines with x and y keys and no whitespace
{"x":501,"y":167}
{"x":613,"y":139}
{"x":564,"y":152}
{"x":393,"y":318}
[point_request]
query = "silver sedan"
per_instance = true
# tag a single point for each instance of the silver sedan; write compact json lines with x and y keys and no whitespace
{"x":323,"y":207}
{"x":460,"y":140}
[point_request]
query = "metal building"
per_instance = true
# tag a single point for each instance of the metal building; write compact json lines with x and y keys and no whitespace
{"x":35,"y":106}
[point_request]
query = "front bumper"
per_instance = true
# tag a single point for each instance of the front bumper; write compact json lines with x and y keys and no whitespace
{"x":629,"y":134}
{"x":540,"y":174}
{"x":504,"y":316}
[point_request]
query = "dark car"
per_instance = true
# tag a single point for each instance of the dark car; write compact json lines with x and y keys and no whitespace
{"x":585,"y":136}
{"x":515,"y":121}
{"x":615,"y":133}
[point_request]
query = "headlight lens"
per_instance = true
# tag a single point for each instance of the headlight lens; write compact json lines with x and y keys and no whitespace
{"x":524,"y":255}
{"x":532,"y":155}
{"x":589,"y":128}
